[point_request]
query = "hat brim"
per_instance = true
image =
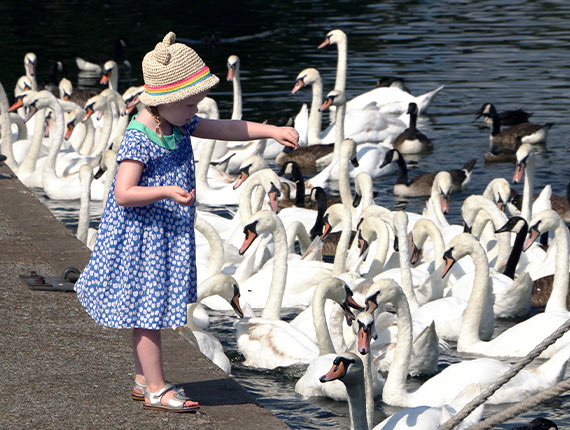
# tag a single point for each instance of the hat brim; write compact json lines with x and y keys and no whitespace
{"x":161,"y":99}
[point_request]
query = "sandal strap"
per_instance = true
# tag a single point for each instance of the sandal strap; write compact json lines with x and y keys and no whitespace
{"x":158,"y":395}
{"x":139,"y":387}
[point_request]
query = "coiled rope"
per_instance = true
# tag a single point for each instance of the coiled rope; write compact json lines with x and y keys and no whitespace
{"x":515,"y":368}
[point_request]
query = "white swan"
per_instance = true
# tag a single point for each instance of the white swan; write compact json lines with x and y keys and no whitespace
{"x":442,"y":388}
{"x":85,"y":234}
{"x":520,"y":339}
{"x":349,"y":369}
{"x":226,"y":287}
{"x":389,"y":99}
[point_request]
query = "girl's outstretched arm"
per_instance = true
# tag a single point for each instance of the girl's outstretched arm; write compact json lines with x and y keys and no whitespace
{"x":129,"y":193}
{"x":225,"y":129}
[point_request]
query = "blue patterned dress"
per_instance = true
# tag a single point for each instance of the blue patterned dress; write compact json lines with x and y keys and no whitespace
{"x":142,"y":271}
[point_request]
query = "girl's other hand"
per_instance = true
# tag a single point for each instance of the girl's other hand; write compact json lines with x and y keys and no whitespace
{"x":181,"y":196}
{"x":287,"y":136}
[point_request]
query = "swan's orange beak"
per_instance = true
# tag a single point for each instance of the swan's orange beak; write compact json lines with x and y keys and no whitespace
{"x":326,"y":104}
{"x":324,"y":43}
{"x":519,"y":171}
{"x":363,"y":340}
{"x":250,"y":236}
{"x":326,"y":229}
{"x":298,"y":85}
{"x":31,"y":112}
{"x":69,"y":130}
{"x":445,"y":204}
{"x":17,"y":104}
{"x":415,"y":254}
{"x":235,"y":302}
{"x":501,"y":205}
{"x":231,"y":73}
{"x":337,"y":371}
{"x":449,"y":262}
{"x":240,"y":179}
{"x":105,"y":78}
{"x":533,"y":233}
{"x":362,"y":244}
{"x":88,"y":112}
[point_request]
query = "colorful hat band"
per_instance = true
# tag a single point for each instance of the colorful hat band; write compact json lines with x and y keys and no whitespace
{"x":180,"y":85}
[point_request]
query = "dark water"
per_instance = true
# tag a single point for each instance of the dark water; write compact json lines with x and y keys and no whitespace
{"x":514,"y":54}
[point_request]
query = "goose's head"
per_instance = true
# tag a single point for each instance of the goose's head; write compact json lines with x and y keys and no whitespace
{"x":233,"y":67}
{"x":65,"y":89}
{"x":334,"y":215}
{"x":131,"y":98}
{"x":224,"y":286}
{"x":442,"y":185}
{"x":460,"y":246}
{"x":333,"y":37}
{"x":365,"y":331}
{"x":487,"y":110}
{"x":108,"y":68}
{"x":514,"y":223}
{"x":291,"y":168}
{"x":546,"y":220}
{"x":524,"y":155}
{"x":391,"y":156}
{"x":96,"y":103}
{"x":333,"y":98}
{"x":381,"y":293}
{"x":412,"y":109}
{"x":261,"y":222}
{"x":30,"y":62}
{"x":346,"y":367}
{"x":248,"y":167}
{"x":501,"y":192}
{"x":306,"y":77}
{"x":539,"y":424}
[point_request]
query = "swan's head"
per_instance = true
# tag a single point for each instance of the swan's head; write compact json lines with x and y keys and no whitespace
{"x":270,"y":183}
{"x":442,"y":184}
{"x":333,"y":37}
{"x":333,"y":98}
{"x":34,"y":101}
{"x":476,"y":206}
{"x":382,"y":292}
{"x":365,"y":331}
{"x":501,"y":192}
{"x":420,"y":233}
{"x":65,"y":89}
{"x":306,"y":77}
{"x":23,"y":98}
{"x":224,"y":286}
{"x":233,"y":67}
{"x":348,"y":152}
{"x":131,"y":98}
{"x":23,"y":84}
{"x":261,"y":222}
{"x":362,"y":187}
{"x":336,"y":289}
{"x":95,"y":103}
{"x":108,"y":68}
{"x":461,"y":245}
{"x":544,"y":221}
{"x":334,"y":215}
{"x":72,"y":119}
{"x":391,"y":156}
{"x":30,"y":62}
{"x":487,"y":110}
{"x":368,"y":230}
{"x":248,"y":167}
{"x":346,"y":367}
{"x":524,"y":154}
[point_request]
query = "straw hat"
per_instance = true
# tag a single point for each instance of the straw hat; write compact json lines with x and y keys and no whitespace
{"x":172,"y":72}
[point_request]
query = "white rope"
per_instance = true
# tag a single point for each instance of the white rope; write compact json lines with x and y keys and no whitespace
{"x":523,"y":406}
{"x":515,"y":368}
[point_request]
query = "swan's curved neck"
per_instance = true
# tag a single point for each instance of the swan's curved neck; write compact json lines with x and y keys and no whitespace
{"x":237,"y":109}
{"x":405,"y":270}
{"x":272,"y":308}
{"x":296,"y":230}
{"x":321,"y":329}
{"x":344,"y":181}
{"x":216,"y":260}
{"x":341,"y":66}
{"x":342,"y":246}
{"x":339,"y":131}
{"x":382,"y":244}
{"x":105,"y":134}
{"x":528,"y":190}
{"x":49,"y":166}
{"x":469,"y":331}
{"x":557,"y":300}
{"x":315,"y":115}
{"x":395,"y":386}
{"x":83,"y":221}
{"x":29,"y":163}
{"x":436,"y":206}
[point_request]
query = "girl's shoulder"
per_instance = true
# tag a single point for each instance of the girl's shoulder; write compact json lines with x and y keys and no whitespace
{"x":135,"y":145}
{"x":190,"y":126}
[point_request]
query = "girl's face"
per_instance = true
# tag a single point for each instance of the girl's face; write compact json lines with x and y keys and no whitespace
{"x":180,"y":113}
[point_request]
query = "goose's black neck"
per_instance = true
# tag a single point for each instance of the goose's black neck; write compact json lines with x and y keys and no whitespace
{"x":516,"y":252}
{"x":402,"y":170}
{"x":496,"y":123}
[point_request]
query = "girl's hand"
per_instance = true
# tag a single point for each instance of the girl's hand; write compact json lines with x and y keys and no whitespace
{"x":287,"y":136}
{"x":181,"y":196}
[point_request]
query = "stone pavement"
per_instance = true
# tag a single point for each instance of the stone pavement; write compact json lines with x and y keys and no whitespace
{"x":61,"y":370}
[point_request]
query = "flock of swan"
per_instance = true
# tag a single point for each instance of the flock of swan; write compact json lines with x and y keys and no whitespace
{"x":402,"y":285}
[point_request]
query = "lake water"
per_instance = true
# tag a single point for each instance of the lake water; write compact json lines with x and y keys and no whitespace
{"x":513,"y":54}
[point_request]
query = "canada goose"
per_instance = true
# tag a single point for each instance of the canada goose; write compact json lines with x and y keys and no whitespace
{"x":411,"y":140}
{"x":508,"y":117}
{"x":421,"y":184}
{"x":507,"y":139}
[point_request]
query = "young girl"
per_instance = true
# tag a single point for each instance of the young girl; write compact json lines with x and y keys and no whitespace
{"x":142,"y":271}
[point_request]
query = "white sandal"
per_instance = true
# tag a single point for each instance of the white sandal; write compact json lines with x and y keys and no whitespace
{"x":175,"y":404}
{"x":140,"y":388}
